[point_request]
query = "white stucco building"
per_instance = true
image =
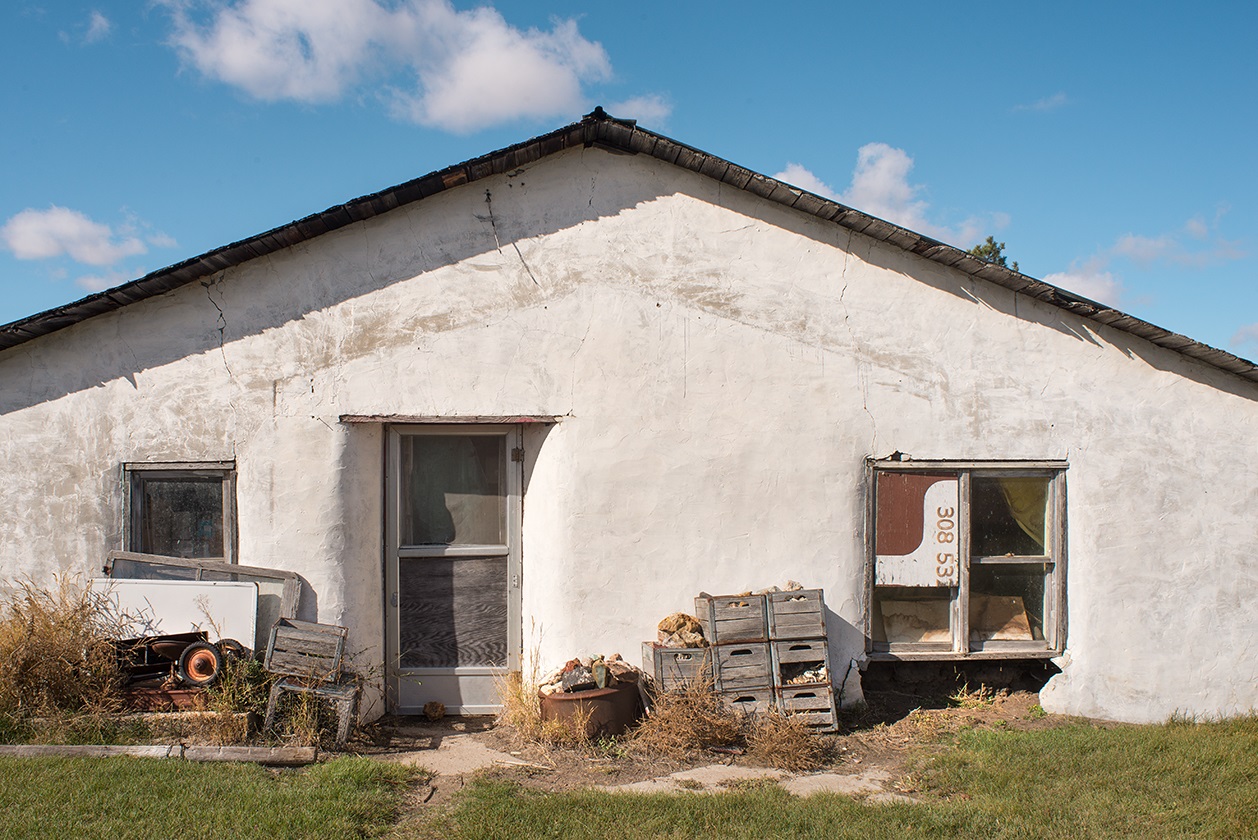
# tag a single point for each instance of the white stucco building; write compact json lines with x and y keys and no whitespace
{"x":541,"y":399}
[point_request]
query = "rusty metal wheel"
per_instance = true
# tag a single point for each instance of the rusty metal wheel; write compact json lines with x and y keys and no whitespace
{"x":233,"y":649}
{"x":200,"y":664}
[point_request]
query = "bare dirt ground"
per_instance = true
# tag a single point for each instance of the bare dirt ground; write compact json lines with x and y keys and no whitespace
{"x":871,"y":749}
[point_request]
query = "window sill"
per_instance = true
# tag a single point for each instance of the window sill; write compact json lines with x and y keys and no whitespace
{"x":945,"y":655}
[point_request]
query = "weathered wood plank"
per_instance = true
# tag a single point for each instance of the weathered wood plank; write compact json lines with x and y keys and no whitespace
{"x":310,"y":647}
{"x":302,"y":665}
{"x":270,"y":756}
{"x":90,"y":750}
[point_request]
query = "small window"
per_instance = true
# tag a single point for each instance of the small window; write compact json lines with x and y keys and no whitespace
{"x":967,"y":559}
{"x":182,"y":510}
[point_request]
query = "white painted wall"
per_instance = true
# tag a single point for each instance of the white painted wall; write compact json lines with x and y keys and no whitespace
{"x":723,"y":367}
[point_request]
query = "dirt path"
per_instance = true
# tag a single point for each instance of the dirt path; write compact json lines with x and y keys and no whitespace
{"x":868,"y":762}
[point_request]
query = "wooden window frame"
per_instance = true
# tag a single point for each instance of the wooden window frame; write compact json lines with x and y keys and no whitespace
{"x":134,"y":475}
{"x":1054,"y":622}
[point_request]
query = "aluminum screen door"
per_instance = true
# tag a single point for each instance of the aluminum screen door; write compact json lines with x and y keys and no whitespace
{"x":451,"y":572}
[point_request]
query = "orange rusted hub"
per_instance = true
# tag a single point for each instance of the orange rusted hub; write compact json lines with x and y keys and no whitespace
{"x":202,"y":665}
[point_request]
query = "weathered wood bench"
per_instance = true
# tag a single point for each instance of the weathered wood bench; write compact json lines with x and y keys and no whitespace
{"x":309,"y":657}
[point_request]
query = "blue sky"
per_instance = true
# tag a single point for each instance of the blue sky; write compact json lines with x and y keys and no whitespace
{"x":1109,"y":145}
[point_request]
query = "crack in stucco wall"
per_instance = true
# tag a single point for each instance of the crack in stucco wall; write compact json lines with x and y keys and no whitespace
{"x":862,"y":374}
{"x":489,"y":202}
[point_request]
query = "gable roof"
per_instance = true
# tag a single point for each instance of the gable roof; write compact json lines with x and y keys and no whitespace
{"x":599,"y":129}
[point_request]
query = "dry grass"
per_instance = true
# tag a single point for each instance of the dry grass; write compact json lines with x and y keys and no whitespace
{"x":692,"y":719}
{"x":964,"y":698}
{"x":305,"y":720}
{"x":56,"y":653}
{"x":784,"y":742}
{"x":522,"y":714}
{"x":687,"y":721}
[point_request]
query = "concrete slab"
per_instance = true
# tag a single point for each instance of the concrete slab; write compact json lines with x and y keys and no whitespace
{"x":709,"y":779}
{"x":849,"y":784}
{"x":455,"y":755}
{"x":887,"y":798}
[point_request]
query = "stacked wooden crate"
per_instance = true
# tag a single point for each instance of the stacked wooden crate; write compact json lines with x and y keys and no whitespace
{"x":675,"y":668}
{"x":763,"y":645}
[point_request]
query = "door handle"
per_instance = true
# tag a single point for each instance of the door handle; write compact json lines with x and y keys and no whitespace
{"x":393,"y":599}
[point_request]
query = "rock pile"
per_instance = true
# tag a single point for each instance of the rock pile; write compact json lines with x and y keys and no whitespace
{"x":586,"y":673}
{"x":680,"y":631}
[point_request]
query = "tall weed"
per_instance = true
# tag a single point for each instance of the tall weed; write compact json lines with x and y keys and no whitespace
{"x":56,"y":651}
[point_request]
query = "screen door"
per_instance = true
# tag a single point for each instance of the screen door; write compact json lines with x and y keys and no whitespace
{"x":451,"y":571}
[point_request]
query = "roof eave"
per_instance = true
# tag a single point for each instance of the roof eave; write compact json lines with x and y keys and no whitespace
{"x":598,"y":129}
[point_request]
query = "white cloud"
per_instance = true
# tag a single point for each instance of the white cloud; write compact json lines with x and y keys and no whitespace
{"x":100,"y":282}
{"x":308,"y":50}
{"x":465,"y":69}
{"x":1048,"y":103}
{"x":804,"y":178}
{"x":1194,"y":244}
{"x":1143,"y":249}
{"x":881,"y":187}
{"x":43,"y":234}
{"x":1246,"y":335}
{"x":482,"y":71}
{"x":1094,"y":283}
{"x":98,"y":28}
{"x":651,"y":109}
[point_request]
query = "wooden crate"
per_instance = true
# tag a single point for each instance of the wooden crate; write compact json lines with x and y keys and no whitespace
{"x":814,"y":704}
{"x":306,"y":650}
{"x":795,"y":655}
{"x":797,"y":615}
{"x":677,"y":667}
{"x":743,"y":667}
{"x":749,"y":701}
{"x":733,"y":618}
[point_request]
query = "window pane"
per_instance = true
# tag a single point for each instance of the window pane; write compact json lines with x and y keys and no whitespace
{"x":181,"y":517}
{"x":1008,"y":516}
{"x":1007,"y":602}
{"x":452,"y":490}
{"x":911,"y":615}
{"x":151,"y":571}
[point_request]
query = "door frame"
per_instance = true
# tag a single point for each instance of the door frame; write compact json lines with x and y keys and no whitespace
{"x":514,"y":480}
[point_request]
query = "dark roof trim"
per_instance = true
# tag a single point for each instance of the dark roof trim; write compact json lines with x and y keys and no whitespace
{"x":600,"y":130}
{"x":461,"y":420}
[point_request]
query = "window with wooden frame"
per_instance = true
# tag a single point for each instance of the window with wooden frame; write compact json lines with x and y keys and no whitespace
{"x":966,"y":559}
{"x":182,"y":510}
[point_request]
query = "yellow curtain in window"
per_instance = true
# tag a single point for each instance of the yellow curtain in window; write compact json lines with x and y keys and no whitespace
{"x":1028,"y":502}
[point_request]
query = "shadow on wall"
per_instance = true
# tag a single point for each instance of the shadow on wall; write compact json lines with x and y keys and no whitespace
{"x":308,"y":606}
{"x":124,"y":345}
{"x":1022,"y":307}
{"x":895,"y":689}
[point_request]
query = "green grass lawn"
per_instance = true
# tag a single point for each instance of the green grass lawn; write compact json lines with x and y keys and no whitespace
{"x":1077,"y":781}
{"x":119,"y":798}
{"x":1072,"y":781}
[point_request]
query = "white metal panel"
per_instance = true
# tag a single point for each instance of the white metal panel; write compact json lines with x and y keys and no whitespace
{"x":223,"y":609}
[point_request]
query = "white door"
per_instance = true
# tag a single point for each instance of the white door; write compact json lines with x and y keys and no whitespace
{"x":452,"y":566}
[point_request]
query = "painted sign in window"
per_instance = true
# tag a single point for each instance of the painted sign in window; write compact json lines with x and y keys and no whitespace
{"x":917,"y":529}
